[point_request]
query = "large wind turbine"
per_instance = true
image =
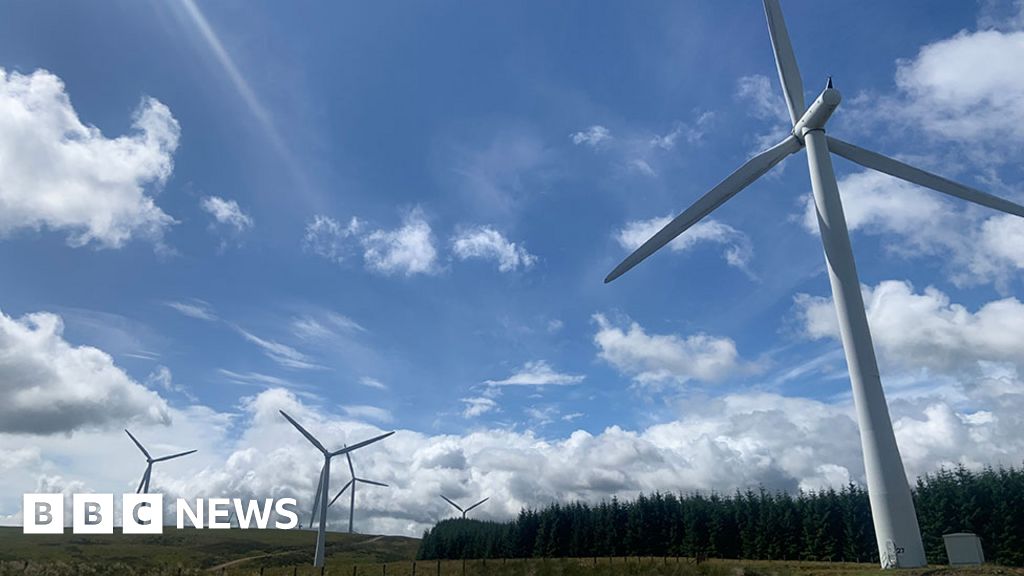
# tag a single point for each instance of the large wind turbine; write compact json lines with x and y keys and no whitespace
{"x":892,"y":508}
{"x":323,"y":487}
{"x":355,"y":480}
{"x":459,"y":508}
{"x":144,"y":483}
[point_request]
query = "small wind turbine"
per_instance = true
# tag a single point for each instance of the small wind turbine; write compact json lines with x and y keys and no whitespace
{"x":892,"y":508}
{"x":355,"y":480}
{"x":459,"y":508}
{"x":144,"y":483}
{"x":322,"y":488}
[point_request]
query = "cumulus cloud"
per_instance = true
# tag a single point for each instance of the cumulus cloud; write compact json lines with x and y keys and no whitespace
{"x":406,"y":250}
{"x":665,"y":358}
{"x":226,"y":212}
{"x":739,"y":440}
{"x":976,"y":245}
{"x":487,"y":243}
{"x":967,"y":87}
{"x":537,"y":373}
{"x":328,"y":238}
{"x":926,"y":329}
{"x":738,"y":248}
{"x":62,"y":174}
{"x":593,"y":136}
{"x":48,"y":385}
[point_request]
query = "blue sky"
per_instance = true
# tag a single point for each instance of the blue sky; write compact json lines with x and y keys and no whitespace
{"x":400,"y":216}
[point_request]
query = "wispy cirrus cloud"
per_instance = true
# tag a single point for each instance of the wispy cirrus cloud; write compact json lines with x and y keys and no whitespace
{"x":193,"y":308}
{"x":281,"y":353}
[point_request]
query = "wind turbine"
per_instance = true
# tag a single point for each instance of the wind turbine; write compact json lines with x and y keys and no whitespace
{"x":460,"y":507}
{"x":355,"y":480}
{"x":144,"y":483}
{"x":322,"y":488}
{"x":892,"y":508}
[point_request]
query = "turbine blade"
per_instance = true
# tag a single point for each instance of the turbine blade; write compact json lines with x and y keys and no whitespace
{"x":351,"y":470}
{"x":316,"y":498}
{"x":348,"y":449}
{"x":364,"y":481}
{"x":732,"y":185}
{"x":146,"y":477}
{"x":785,"y":61}
{"x":478,"y":503}
{"x":453,"y":503}
{"x":304,"y":433}
{"x":887,"y":165}
{"x":340,"y":492}
{"x":137,"y":443}
{"x":163,"y":458}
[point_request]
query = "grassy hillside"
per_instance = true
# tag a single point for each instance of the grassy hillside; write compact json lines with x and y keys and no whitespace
{"x":283,"y":553}
{"x":197,"y":549}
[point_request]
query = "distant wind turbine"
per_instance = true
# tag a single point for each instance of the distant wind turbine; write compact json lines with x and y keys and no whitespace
{"x":892,"y":508}
{"x":355,"y":480}
{"x":323,"y":487}
{"x":144,"y":483}
{"x":459,"y":508}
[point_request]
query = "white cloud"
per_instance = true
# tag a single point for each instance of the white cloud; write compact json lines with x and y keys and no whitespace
{"x":764,"y":101}
{"x":326,"y":327}
{"x":975,"y":245}
{"x":537,"y":373}
{"x":967,"y":87}
{"x":373,"y":413}
{"x":48,"y":385}
{"x":328,"y":238}
{"x":406,"y":250}
{"x":61,"y":174}
{"x":162,"y":377}
{"x":281,"y":353}
{"x":478,"y":406}
{"x":593,"y":136}
{"x":661,"y":358}
{"x":372,"y":383}
{"x":256,"y":379}
{"x":487,"y":243}
{"x":194,"y":308}
{"x":226,"y":212}
{"x":640,"y":165}
{"x":738,"y":248}
{"x":736,"y":441}
{"x":927,"y":330}
{"x":692,"y":134}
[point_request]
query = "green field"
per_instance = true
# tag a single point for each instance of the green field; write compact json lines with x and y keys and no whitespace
{"x":280,"y":553}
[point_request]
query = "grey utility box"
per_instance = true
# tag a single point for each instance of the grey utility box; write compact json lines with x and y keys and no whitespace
{"x":963,"y":548}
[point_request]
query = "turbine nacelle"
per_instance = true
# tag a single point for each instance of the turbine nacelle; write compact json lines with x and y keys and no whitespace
{"x":818,"y":113}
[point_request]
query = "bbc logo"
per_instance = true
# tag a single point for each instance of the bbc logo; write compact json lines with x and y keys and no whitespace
{"x":93,"y":513}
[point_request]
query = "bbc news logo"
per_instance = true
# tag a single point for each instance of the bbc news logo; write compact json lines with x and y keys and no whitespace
{"x":144,"y":513}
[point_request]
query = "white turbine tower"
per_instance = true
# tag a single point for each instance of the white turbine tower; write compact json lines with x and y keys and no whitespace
{"x":144,"y":483}
{"x":355,"y":480}
{"x":459,"y":508}
{"x":892,"y":508}
{"x":324,"y":486}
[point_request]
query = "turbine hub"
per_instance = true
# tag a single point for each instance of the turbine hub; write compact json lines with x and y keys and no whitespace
{"x":818,"y":112}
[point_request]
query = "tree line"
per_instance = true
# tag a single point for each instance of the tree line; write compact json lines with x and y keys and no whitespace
{"x":825,"y":525}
